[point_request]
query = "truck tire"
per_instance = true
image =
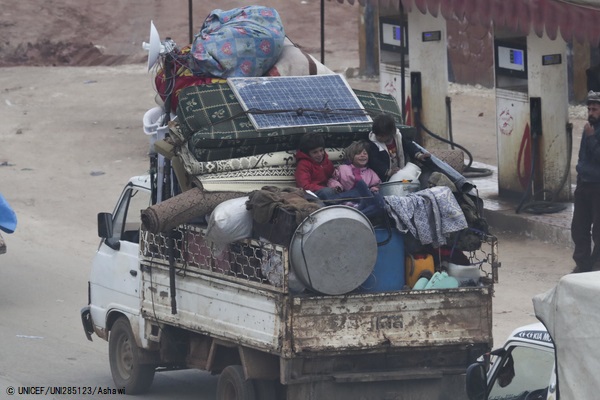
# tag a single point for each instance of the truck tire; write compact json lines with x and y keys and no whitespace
{"x":124,"y":357}
{"x":232,"y":385}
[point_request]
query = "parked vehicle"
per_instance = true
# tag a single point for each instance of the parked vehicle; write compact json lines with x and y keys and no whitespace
{"x":537,"y":363}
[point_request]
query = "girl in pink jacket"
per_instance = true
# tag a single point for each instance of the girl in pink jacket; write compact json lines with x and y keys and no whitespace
{"x":346,"y":176}
{"x":355,"y":177}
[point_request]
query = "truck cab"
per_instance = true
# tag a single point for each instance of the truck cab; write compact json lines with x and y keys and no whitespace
{"x":522,"y":369}
{"x":114,"y":284}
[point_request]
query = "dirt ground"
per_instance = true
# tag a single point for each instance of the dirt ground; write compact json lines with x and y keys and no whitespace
{"x":87,"y":32}
{"x":72,"y":136}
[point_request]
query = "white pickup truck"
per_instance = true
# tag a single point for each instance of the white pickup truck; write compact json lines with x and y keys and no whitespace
{"x":168,"y":301}
{"x":555,"y":359}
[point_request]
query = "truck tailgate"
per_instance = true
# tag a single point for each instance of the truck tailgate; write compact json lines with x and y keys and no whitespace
{"x":393,"y":319}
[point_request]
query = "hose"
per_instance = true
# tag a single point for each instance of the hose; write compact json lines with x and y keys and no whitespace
{"x":546,"y":206}
{"x":476,"y":171}
{"x":469,"y":171}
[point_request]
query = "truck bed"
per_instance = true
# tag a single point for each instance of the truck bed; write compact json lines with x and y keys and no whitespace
{"x":225,"y":294}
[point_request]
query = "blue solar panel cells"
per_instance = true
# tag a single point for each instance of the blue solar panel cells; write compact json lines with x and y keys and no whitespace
{"x":278,"y":102}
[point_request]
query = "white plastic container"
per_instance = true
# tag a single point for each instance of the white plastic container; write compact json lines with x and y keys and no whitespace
{"x":410,"y":172}
{"x":465,"y":274}
{"x":152,"y":125}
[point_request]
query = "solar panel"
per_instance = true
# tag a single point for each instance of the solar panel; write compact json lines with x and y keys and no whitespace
{"x":287,"y":101}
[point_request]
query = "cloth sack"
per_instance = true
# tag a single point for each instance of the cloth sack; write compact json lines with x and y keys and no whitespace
{"x":245,"y":41}
{"x":229,"y":222}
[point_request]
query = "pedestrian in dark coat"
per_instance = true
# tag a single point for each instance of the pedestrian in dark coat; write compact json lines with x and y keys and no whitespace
{"x":585,"y":226}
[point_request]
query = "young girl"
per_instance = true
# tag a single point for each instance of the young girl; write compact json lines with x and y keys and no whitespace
{"x":346,"y":176}
{"x":359,"y":183}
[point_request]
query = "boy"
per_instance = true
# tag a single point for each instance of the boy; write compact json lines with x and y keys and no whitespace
{"x":313,"y":166}
{"x":389,"y":152}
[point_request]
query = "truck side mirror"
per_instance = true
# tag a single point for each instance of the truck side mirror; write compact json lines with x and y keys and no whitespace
{"x":105,"y":230}
{"x":105,"y":227}
{"x":476,"y":382}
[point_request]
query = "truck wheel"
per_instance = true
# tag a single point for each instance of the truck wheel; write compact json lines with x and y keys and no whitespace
{"x":124,"y":357}
{"x":233,"y":386}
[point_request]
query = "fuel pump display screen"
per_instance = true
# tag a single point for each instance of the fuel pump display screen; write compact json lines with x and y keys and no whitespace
{"x":391,"y":32}
{"x":511,"y":58}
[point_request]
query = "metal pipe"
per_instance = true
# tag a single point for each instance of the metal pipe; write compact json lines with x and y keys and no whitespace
{"x":449,"y":113}
{"x":190,"y":21}
{"x":402,"y":69}
{"x":172,"y":287}
{"x":323,"y":32}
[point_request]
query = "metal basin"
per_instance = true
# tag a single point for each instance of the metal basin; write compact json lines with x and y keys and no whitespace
{"x":333,"y":251}
{"x":398,"y":188}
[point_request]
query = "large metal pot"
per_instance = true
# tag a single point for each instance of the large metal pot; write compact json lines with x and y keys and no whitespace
{"x":333,"y":251}
{"x":398,"y":188}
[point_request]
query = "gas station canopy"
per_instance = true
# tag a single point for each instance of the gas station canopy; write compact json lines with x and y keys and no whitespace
{"x":572,"y":19}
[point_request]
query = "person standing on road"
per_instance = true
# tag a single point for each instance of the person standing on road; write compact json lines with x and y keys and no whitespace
{"x":585,"y":226}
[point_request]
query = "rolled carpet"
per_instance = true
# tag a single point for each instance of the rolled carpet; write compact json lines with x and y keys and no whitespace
{"x":183,"y":208}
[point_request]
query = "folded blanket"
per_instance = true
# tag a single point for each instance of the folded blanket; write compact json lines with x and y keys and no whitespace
{"x":430,"y":215}
{"x":183,"y":208}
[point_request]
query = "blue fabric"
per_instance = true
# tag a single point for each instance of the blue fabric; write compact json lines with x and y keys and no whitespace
{"x":245,"y":41}
{"x":370,"y":204}
{"x":8,"y":218}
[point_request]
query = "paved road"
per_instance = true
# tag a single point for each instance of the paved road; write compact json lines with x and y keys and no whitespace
{"x":43,"y":344}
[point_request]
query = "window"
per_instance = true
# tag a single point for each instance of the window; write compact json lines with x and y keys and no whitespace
{"x":127,"y":219}
{"x":523,"y":371}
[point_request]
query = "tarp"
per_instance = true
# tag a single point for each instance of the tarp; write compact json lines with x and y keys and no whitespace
{"x":570,"y":313}
{"x":571,"y":19}
{"x":8,"y":218}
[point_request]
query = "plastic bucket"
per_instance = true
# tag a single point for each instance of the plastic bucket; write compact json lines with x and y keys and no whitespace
{"x":388,"y":273}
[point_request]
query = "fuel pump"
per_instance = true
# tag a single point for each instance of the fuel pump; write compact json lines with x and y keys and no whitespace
{"x":416,"y":42}
{"x":393,"y":59}
{"x":531,"y":118}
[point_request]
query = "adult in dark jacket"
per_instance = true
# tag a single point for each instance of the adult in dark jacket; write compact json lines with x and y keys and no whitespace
{"x":388,"y":151}
{"x":585,"y":226}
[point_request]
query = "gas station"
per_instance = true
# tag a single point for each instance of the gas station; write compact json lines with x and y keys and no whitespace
{"x":530,"y":45}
